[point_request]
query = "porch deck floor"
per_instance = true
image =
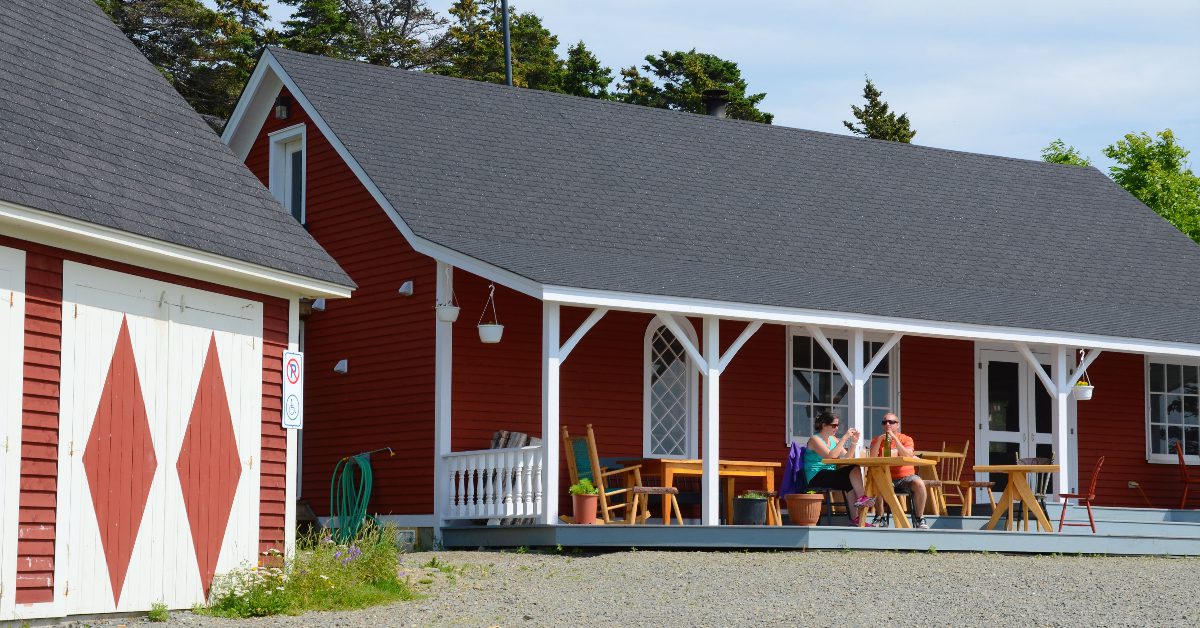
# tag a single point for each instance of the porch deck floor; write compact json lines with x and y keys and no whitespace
{"x":1164,"y":533}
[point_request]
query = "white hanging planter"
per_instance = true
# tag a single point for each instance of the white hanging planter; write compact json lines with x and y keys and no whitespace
{"x":1083,"y":393}
{"x":447,"y":313}
{"x":490,"y":333}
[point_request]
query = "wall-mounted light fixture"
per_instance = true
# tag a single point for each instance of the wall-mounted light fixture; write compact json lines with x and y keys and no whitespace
{"x":283,"y":108}
{"x":318,"y":305}
{"x":406,"y":289}
{"x":342,"y":367}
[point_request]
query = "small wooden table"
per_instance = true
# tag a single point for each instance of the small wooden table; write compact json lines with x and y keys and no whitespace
{"x":1017,"y":489}
{"x":879,"y":479}
{"x":936,"y":505}
{"x":729,"y":469}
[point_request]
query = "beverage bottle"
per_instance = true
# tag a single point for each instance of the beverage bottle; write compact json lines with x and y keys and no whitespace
{"x":887,"y":445}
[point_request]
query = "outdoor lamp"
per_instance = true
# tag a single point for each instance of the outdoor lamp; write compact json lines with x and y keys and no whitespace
{"x":283,"y":108}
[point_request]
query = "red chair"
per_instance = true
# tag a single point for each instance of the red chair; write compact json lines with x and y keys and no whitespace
{"x":1085,"y":499}
{"x":1183,"y":475}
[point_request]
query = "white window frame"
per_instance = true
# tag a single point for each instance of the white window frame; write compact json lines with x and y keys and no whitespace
{"x":281,"y":142}
{"x":693,"y":395}
{"x":840,"y":334}
{"x":1151,"y":457}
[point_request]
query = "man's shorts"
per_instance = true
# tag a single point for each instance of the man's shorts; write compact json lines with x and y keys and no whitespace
{"x":903,"y":485}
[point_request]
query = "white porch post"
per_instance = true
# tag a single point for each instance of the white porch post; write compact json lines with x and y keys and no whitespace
{"x":710,"y":452}
{"x":551,"y":363}
{"x":859,"y":385}
{"x":1064,"y":480}
{"x":442,"y":374}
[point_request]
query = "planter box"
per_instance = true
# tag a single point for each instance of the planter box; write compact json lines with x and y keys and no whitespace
{"x":749,"y":511}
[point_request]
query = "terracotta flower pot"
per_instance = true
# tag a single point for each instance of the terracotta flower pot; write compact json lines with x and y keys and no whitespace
{"x":585,"y":508}
{"x":804,"y":509}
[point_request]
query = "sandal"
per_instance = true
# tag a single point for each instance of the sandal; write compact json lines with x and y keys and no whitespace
{"x":864,"y":502}
{"x":854,"y":523}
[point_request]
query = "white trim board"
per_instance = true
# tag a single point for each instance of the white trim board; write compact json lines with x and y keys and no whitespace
{"x":84,"y":237}
{"x":12,"y":351}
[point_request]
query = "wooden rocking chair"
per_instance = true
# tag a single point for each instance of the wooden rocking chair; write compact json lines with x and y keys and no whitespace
{"x":584,"y":463}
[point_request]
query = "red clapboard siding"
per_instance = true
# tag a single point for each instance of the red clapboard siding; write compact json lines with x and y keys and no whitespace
{"x":39,"y":428}
{"x":1113,"y":424}
{"x":937,"y":393}
{"x":387,"y":397}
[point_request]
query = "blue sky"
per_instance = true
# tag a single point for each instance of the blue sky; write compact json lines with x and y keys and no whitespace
{"x":1003,"y":78}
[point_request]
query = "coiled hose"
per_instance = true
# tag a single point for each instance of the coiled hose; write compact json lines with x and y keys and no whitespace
{"x":349,"y":494}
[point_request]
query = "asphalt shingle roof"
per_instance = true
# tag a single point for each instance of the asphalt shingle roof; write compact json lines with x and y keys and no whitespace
{"x":90,"y":130}
{"x":583,"y":193}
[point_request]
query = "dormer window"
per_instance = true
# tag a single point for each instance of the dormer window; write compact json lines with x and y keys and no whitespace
{"x":288,"y":169}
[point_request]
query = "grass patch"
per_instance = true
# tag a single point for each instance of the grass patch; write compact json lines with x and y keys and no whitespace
{"x":158,"y":613}
{"x":322,"y":576}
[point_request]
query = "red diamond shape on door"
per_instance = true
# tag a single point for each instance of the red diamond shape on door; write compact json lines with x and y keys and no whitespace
{"x":209,"y":467}
{"x":119,"y":460}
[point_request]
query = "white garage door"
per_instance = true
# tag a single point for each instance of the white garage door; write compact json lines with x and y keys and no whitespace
{"x":159,"y":436}
{"x":12,"y":341}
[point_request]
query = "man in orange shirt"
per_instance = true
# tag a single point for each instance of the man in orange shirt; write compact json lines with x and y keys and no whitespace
{"x":905,"y":478}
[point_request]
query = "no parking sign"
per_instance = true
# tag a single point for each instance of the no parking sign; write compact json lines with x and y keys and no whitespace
{"x":293,"y":390}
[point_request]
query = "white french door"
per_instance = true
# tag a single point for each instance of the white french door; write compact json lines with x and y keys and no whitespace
{"x":12,"y":321}
{"x":1014,"y":413}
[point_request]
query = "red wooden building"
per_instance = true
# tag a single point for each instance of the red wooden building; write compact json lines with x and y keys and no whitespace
{"x":714,"y":283}
{"x":148,"y":289}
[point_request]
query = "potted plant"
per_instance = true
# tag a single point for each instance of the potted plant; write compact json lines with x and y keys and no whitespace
{"x":583,"y":500}
{"x":490,"y":332}
{"x":1083,"y":390}
{"x":750,"y":509}
{"x":804,"y":509}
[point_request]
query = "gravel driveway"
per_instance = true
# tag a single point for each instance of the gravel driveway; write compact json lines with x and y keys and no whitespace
{"x":653,"y":588}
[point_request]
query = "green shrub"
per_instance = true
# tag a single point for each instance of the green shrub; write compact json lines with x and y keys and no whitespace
{"x":322,"y":576}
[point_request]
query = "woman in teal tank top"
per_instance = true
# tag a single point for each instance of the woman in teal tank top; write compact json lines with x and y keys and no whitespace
{"x":824,"y":445}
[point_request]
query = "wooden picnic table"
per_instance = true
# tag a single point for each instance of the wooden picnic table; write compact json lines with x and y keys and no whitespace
{"x":1017,"y":489}
{"x":936,"y":504}
{"x":728,"y":469}
{"x":879,"y":479}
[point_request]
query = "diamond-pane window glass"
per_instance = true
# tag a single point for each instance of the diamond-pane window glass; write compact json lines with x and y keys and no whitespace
{"x":1174,"y":401}
{"x":670,"y":394}
{"x":817,"y":385}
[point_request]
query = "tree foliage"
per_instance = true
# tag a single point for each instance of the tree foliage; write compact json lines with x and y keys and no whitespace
{"x":1057,"y":152}
{"x":476,"y":47}
{"x":584,"y":75}
{"x":676,"y":80}
{"x":399,"y":33}
{"x":876,"y":121}
{"x":1155,"y":170}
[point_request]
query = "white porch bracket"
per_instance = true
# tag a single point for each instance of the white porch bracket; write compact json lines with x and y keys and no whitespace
{"x":673,"y":323}
{"x":883,"y":351}
{"x":836,"y":359}
{"x":1036,"y":365}
{"x":584,"y":327}
{"x":729,"y":354}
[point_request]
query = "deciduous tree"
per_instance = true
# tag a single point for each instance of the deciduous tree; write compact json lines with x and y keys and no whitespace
{"x":1155,"y":170}
{"x":1057,"y":152}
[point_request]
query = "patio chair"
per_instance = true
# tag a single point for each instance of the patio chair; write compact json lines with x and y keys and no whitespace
{"x":966,"y":488}
{"x":1184,"y":476}
{"x":1041,"y":486}
{"x":584,"y":463}
{"x":1084,"y":498}
{"x":949,"y":483}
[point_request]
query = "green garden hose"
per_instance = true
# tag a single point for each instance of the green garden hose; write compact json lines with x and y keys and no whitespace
{"x":349,"y":494}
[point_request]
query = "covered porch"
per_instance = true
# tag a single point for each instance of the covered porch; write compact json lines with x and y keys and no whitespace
{"x":521,"y":492}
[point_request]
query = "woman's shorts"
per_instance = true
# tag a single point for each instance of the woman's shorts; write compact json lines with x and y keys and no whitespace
{"x":837,"y":479}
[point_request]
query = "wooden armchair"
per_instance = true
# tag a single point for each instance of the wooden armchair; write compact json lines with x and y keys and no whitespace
{"x":584,"y":463}
{"x":952,"y":486}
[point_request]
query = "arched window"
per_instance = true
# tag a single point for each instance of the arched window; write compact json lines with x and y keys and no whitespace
{"x":670,"y":398}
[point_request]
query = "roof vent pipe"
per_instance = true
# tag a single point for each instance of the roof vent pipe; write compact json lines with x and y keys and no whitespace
{"x":716,"y":101}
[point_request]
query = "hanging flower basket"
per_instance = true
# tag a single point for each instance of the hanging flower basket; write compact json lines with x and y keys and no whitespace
{"x":490,"y":330}
{"x":448,"y":312}
{"x":1083,"y":391}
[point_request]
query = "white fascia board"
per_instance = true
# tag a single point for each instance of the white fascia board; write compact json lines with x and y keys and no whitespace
{"x":799,"y":316}
{"x":85,"y":237}
{"x":247,"y":120}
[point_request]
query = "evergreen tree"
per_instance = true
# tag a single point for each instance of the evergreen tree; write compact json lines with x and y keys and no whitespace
{"x":321,"y":27}
{"x":1057,"y":152}
{"x":246,"y":34}
{"x":1157,"y":173}
{"x":399,"y":33}
{"x":584,"y":75}
{"x":476,"y":47}
{"x":876,"y":122}
{"x":676,"y":80}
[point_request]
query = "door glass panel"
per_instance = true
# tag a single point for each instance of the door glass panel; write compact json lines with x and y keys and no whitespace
{"x":1004,"y":398}
{"x":1002,"y":453}
{"x":1043,"y":410}
{"x":296,"y":183}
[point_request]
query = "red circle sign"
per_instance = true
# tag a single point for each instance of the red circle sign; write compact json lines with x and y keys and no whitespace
{"x":293,"y":370}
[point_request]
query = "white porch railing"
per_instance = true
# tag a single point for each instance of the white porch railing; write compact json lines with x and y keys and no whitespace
{"x":495,"y":483}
